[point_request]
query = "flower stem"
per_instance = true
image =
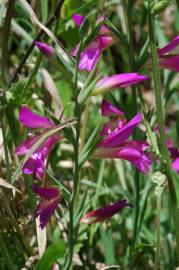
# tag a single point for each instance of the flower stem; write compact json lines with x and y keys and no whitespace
{"x":157,"y":254}
{"x":128,"y":22}
{"x":165,"y":157}
{"x":77,"y":114}
{"x":137,"y":208}
{"x":85,"y":119}
{"x":8,"y":169}
{"x":177,"y":3}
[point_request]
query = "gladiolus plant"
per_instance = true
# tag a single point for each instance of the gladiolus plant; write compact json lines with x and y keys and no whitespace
{"x":89,"y":135}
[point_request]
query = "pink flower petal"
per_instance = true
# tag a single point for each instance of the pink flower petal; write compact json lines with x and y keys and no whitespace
{"x":112,"y":126}
{"x":132,"y":151}
{"x":50,"y":199}
{"x":120,"y":80}
{"x":105,"y":212}
{"x":45,"y":48}
{"x":169,"y":47}
{"x":33,"y":120}
{"x":175,"y":165}
{"x":107,"y":109}
{"x":170,"y":62}
{"x":118,"y":137}
{"x":104,"y":42}
{"x":89,"y":58}
{"x":36,"y":163}
{"x":78,"y":19}
{"x":46,"y":193}
{"x":25,"y":146}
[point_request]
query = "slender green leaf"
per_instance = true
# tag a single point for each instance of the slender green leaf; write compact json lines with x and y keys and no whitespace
{"x":53,"y":252}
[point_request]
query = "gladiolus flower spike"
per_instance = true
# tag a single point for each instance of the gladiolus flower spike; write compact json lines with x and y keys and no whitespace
{"x":104,"y":213}
{"x":50,"y":198}
{"x":115,"y":143}
{"x":36,"y":163}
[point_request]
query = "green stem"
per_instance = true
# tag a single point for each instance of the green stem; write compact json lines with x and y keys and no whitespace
{"x":31,"y":78}
{"x":165,"y":159}
{"x":85,"y":119}
{"x":137,"y":208}
{"x":128,"y":16}
{"x":177,"y":3}
{"x":5,"y":38}
{"x":127,"y":12}
{"x":77,"y":114}
{"x":157,"y":254}
{"x":157,"y":86}
{"x":8,"y":170}
{"x":7,"y":257}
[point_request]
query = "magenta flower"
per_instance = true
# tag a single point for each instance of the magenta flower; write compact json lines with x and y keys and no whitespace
{"x":119,"y":80}
{"x":45,"y":48}
{"x":90,"y":56}
{"x":105,"y":212}
{"x":78,"y":19}
{"x":169,"y":61}
{"x":107,"y":109}
{"x":174,"y":152}
{"x":114,"y":142}
{"x":132,"y":151}
{"x":36,"y":163}
{"x":50,"y":198}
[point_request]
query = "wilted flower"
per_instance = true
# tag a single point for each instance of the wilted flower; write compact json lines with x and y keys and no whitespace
{"x":36,"y":163}
{"x":45,"y":48}
{"x":114,"y":142}
{"x":119,"y":80}
{"x":90,"y":56}
{"x":169,"y":61}
{"x":105,"y":212}
{"x":50,"y":197}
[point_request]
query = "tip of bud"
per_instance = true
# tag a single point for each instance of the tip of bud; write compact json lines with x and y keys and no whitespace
{"x":44,"y":48}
